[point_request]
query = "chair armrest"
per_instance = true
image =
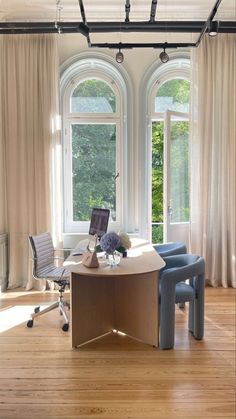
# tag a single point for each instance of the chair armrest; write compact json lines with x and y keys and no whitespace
{"x":65,"y":252}
{"x":177,"y":261}
{"x":182,"y":273}
{"x":64,"y":249}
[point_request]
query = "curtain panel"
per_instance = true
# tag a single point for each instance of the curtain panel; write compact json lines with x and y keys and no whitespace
{"x":29,"y":107}
{"x":213,"y":157}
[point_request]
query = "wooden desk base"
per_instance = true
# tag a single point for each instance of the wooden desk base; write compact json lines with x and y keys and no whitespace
{"x":128,"y":303}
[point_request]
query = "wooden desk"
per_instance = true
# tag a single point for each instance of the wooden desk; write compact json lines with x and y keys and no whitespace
{"x":124,"y":298}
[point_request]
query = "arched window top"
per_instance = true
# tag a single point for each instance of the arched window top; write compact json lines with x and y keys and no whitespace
{"x":93,"y":96}
{"x":173,"y":95}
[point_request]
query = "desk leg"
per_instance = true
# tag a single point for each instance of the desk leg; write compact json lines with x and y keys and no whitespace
{"x":92,"y":308}
{"x":136,"y":306}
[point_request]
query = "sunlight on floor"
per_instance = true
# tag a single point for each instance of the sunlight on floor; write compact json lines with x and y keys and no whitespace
{"x":13,"y":316}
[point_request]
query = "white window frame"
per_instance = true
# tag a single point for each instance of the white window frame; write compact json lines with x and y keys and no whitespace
{"x":76,"y":70}
{"x":155,"y":76}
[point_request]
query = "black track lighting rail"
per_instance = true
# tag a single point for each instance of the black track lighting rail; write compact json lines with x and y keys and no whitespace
{"x":153,"y":10}
{"x":158,"y":26}
{"x":82,"y":12}
{"x":208,"y":22}
{"x":13,"y":28}
{"x":127,"y":10}
{"x":86,"y":28}
{"x":109,"y":27}
{"x":122,"y":46}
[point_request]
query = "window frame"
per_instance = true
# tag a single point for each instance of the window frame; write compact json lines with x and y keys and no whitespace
{"x":87,"y":65}
{"x":177,"y":67}
{"x":96,"y":118}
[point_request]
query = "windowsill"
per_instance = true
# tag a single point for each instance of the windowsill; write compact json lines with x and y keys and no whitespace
{"x":70,"y":240}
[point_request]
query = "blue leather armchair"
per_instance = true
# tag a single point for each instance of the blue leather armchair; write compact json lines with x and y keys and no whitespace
{"x":173,"y":290}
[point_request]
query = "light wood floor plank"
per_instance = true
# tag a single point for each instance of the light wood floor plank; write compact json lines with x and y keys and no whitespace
{"x":115,"y":377}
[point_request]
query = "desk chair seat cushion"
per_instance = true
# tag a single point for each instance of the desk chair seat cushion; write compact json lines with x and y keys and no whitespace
{"x":184,"y":293}
{"x":169,"y":249}
{"x":54,"y":273}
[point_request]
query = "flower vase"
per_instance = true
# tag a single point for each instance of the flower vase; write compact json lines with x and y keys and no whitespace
{"x":113,"y":259}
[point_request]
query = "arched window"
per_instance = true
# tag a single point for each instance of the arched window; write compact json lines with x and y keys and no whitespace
{"x":166,"y":92}
{"x":94,"y":99}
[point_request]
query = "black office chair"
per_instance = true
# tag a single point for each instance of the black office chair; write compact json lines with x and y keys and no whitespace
{"x":44,"y":268}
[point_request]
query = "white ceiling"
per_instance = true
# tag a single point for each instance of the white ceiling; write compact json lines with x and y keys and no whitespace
{"x":114,"y":10}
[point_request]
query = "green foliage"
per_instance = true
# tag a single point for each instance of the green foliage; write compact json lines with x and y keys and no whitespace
{"x":94,"y":159}
{"x":96,"y":88}
{"x":179,"y":181}
{"x":179,"y":89}
{"x":179,"y":177}
{"x":157,"y":171}
{"x":157,"y":233}
{"x":94,"y":165}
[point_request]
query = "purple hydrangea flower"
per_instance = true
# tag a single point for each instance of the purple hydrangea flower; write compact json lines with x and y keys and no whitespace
{"x":109,"y":242}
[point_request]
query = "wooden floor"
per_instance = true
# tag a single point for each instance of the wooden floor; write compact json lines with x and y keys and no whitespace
{"x":115,"y":377}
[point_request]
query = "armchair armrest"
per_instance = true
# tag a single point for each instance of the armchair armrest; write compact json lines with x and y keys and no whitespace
{"x":176,"y":271}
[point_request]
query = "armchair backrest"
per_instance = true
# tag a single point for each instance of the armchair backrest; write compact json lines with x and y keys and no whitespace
{"x":42,"y":251}
{"x":183,"y":266}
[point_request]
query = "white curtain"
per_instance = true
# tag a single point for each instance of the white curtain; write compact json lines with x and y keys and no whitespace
{"x":29,"y":109}
{"x":213,"y":158}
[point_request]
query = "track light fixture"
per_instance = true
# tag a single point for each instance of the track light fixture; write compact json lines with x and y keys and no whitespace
{"x":213,"y":28}
{"x":119,"y":56}
{"x":164,"y":57}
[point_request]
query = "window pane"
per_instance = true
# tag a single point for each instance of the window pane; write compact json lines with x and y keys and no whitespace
{"x":173,"y":95}
{"x":179,"y":175}
{"x":157,"y":181}
{"x":93,"y":169}
{"x":93,"y":96}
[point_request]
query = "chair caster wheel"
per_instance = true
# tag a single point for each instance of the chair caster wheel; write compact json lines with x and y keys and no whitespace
{"x":37,"y":309}
{"x":65,"y":327}
{"x":30,"y":323}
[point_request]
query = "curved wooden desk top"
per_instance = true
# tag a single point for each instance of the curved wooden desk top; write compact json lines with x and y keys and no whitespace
{"x":142,"y":258}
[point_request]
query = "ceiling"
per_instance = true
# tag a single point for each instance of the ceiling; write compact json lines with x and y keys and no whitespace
{"x":114,"y":11}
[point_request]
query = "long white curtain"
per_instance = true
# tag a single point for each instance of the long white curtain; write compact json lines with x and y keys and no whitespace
{"x":213,"y":183}
{"x":29,"y":107}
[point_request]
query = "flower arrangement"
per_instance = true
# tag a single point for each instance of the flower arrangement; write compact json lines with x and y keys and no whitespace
{"x":112,"y":241}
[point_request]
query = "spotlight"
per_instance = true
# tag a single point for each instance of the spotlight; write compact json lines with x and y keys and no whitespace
{"x":119,"y":57}
{"x":164,"y":57}
{"x":213,"y":28}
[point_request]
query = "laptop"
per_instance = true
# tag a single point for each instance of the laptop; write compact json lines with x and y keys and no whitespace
{"x":99,"y":222}
{"x":98,"y":226}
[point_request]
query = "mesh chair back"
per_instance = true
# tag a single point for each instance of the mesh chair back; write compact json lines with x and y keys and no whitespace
{"x":43,"y":252}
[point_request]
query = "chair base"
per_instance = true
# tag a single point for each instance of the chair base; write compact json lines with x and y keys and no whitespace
{"x":61,"y":304}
